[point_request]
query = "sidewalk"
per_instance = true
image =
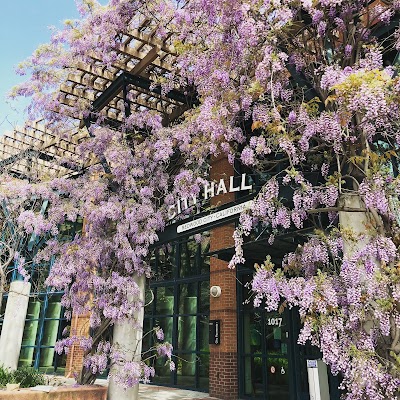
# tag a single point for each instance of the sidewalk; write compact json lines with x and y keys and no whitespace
{"x":150,"y":392}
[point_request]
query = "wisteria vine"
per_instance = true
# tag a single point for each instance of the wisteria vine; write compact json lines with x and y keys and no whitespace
{"x":306,"y":93}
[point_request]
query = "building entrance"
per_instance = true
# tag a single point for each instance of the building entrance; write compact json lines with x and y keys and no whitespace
{"x":272,"y":366}
{"x":180,"y":305}
{"x":265,"y":359}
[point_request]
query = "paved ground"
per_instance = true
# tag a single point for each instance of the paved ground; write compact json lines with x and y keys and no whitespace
{"x":151,"y":392}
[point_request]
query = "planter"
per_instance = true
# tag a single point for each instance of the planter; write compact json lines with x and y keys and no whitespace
{"x":12,"y":386}
{"x":89,"y":392}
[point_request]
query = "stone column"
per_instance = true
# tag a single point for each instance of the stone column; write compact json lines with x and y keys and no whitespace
{"x":14,"y":322}
{"x":128,"y":336}
{"x":354,"y":223}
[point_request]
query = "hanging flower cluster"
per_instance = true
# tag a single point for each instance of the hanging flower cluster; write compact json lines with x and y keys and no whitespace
{"x":305,"y":92}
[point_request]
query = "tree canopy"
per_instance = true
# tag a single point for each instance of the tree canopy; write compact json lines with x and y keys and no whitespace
{"x":305,"y":93}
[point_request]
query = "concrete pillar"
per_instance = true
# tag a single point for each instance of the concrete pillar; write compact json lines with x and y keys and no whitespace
{"x":354,"y":222}
{"x":358,"y":227}
{"x":14,"y":322}
{"x":129,"y":339}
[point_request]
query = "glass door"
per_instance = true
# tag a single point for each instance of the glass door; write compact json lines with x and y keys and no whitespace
{"x":180,"y":305}
{"x":265,"y":359}
{"x":272,"y":366}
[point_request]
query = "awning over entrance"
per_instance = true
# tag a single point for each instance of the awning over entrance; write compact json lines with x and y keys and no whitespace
{"x":255,"y":251}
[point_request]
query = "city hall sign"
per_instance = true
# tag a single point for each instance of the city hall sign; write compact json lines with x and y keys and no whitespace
{"x":209,"y":190}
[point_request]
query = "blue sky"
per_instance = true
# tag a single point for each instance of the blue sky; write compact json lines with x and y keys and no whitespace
{"x":23,"y":26}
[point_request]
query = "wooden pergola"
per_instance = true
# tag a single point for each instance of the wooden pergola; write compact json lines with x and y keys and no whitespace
{"x":34,"y":152}
{"x":128,"y":84}
{"x":112,"y":91}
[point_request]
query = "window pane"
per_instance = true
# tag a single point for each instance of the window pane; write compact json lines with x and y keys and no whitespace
{"x":54,"y":307}
{"x":205,"y":259}
{"x":30,"y":331}
{"x":2,"y":311}
{"x":189,"y":259}
{"x":34,"y":307}
{"x":278,"y":378}
{"x":61,"y":362}
{"x":253,"y":332}
{"x":187,"y":333}
{"x":39,"y":273}
{"x":163,"y":373}
{"x":147,"y":336}
{"x":165,"y":300}
{"x":149,"y":301}
{"x":204,"y":297}
{"x":186,"y":370}
{"x":248,"y":295}
{"x":50,"y":331}
{"x":188,"y":298}
{"x":165,"y":323}
{"x":204,"y":333}
{"x":277,"y":334}
{"x":165,"y":263}
{"x":27,"y":357}
{"x":46,"y":357}
{"x":204,"y":367}
{"x":253,"y":376}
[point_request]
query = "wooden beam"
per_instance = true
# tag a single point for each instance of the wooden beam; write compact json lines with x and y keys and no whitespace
{"x":145,"y":61}
{"x":151,"y":40}
{"x":81,"y":93}
{"x":134,"y":53}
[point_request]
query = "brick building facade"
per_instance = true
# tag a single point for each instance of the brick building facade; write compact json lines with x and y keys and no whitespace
{"x":254,"y":359}
{"x":223,"y":357}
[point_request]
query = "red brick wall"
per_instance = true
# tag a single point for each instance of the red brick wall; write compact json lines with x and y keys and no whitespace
{"x":79,"y":327}
{"x":223,"y":357}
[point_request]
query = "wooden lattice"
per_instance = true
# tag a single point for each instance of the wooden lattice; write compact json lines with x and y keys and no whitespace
{"x":34,"y":152}
{"x":141,"y":54}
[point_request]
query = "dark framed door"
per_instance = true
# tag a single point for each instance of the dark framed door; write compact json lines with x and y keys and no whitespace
{"x":272,"y":365}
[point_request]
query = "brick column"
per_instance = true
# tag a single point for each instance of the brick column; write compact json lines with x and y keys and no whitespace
{"x":223,"y":357}
{"x":79,"y":327}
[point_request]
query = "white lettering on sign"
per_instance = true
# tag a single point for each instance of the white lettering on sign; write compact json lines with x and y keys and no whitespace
{"x":221,"y":188}
{"x":274,"y":322}
{"x":214,"y":217}
{"x":210,"y":189}
{"x":231,"y":186}
{"x":216,"y":332}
